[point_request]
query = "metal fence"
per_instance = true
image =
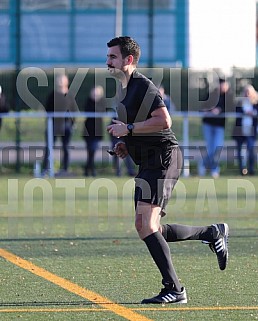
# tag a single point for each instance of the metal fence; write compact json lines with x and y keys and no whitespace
{"x":185,"y":143}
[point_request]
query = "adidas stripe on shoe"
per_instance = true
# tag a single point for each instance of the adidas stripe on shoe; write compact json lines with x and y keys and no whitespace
{"x":219,"y":245}
{"x":167,"y":296}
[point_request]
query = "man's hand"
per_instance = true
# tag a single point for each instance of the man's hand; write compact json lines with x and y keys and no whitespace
{"x":120,"y":150}
{"x":118,"y":129}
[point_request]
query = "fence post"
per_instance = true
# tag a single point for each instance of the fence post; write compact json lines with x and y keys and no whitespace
{"x":17,"y":70}
{"x":50,"y":140}
{"x":186,"y":169}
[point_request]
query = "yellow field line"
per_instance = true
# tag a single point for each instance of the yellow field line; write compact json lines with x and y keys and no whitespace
{"x":160,"y":308}
{"x":74,"y":288}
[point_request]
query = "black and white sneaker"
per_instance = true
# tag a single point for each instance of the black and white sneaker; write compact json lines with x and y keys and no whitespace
{"x":167,"y":296}
{"x":220,"y":243}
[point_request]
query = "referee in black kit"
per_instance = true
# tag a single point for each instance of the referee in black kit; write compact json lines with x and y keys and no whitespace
{"x":145,"y":126}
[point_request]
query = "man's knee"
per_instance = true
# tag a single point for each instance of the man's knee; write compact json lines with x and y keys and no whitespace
{"x":143,"y":227}
{"x":138,"y":223}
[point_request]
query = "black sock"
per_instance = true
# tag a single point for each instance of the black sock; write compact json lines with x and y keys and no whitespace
{"x":178,"y":232}
{"x":160,"y":253}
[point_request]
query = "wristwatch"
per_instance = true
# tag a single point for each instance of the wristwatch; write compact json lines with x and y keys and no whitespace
{"x":130,"y":127}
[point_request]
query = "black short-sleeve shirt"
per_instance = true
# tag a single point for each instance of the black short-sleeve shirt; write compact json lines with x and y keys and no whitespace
{"x":136,"y":103}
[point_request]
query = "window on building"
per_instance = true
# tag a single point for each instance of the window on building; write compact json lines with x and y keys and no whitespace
{"x":95,"y":4}
{"x":4,"y":4}
{"x":144,"y":4}
{"x":45,"y":5}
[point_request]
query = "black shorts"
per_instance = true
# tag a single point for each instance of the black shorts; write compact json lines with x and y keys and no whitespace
{"x":155,"y":186}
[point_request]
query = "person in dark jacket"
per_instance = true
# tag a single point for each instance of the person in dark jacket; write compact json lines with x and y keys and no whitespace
{"x":167,"y":100}
{"x":4,"y":105}
{"x":220,"y":101}
{"x":93,"y":130}
{"x":60,"y":100}
{"x":245,"y":129}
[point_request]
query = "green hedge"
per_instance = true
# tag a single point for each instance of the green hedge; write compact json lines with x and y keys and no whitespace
{"x":184,"y":85}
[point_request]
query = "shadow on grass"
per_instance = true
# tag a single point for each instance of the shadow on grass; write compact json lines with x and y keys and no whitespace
{"x":58,"y":303}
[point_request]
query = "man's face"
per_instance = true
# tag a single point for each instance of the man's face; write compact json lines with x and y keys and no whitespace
{"x":224,"y":87}
{"x":115,"y":62}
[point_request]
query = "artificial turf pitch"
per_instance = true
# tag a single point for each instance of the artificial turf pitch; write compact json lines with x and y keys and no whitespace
{"x":69,"y":251}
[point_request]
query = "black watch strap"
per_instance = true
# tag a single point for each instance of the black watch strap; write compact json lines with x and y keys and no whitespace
{"x":130,"y":128}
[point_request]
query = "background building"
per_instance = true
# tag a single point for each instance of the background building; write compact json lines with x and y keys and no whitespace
{"x":75,"y":32}
{"x":188,"y":33}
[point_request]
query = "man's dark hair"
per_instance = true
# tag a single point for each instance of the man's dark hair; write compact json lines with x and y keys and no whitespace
{"x":128,"y":46}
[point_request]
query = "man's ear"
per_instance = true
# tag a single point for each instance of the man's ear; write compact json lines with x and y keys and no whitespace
{"x":130,"y":59}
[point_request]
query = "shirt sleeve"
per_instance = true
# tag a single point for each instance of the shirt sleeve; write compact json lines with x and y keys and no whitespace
{"x":151,"y":99}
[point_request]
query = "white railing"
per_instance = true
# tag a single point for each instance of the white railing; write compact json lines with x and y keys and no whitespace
{"x":49,"y":116}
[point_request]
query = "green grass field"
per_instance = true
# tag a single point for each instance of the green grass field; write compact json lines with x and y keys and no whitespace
{"x":69,"y":251}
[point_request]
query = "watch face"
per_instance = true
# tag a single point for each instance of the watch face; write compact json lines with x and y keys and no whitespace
{"x":130,"y":127}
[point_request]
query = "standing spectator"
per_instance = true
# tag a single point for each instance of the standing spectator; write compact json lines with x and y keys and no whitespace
{"x":4,"y":106}
{"x":167,"y":99}
{"x":245,"y":129}
{"x":214,"y":127}
{"x":60,"y":100}
{"x":93,"y":130}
